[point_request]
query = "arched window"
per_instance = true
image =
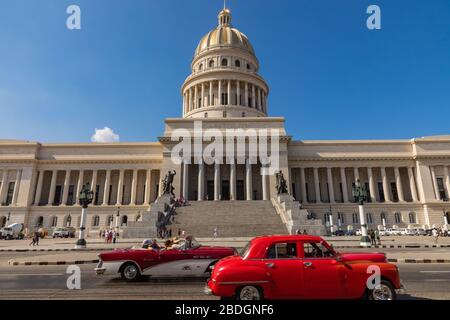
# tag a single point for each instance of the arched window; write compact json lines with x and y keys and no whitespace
{"x":211,"y":63}
{"x":200,"y":67}
{"x":369,"y":218}
{"x":224,"y":114}
{"x":54,"y":221}
{"x":224,"y":62}
{"x":206,"y":114}
{"x":341,"y":218}
{"x":248,"y":66}
{"x":67,"y":221}
{"x":124,"y":221}
{"x":412,"y":217}
{"x":40,"y":222}
{"x":355,"y":218}
{"x":398,"y":217}
{"x":109,"y":221}
{"x":243,"y":114}
{"x":237,"y":63}
{"x":96,"y":221}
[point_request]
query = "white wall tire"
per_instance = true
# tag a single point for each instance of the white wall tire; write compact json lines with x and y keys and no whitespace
{"x":130,"y":272}
{"x":384,"y":292}
{"x":249,"y":293}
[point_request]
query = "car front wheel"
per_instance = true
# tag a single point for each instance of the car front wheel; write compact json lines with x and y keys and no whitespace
{"x":249,"y":293}
{"x":384,"y":292}
{"x":130,"y":272}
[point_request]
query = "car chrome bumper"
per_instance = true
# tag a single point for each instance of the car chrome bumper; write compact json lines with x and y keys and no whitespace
{"x":207,"y":290}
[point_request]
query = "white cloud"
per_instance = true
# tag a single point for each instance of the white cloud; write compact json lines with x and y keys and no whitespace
{"x":105,"y":135}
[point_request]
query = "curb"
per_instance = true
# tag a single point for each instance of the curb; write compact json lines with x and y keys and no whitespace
{"x":419,"y":260}
{"x":46,"y":263}
{"x":60,"y":250}
{"x":393,"y":247}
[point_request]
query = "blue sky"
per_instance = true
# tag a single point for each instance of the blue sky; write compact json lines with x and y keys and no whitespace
{"x":329,"y":75}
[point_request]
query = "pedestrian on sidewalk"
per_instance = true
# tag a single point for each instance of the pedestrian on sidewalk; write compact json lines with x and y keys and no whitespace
{"x":33,"y":240}
{"x":215,"y":233}
{"x":377,"y":236}
{"x":435,"y":235}
{"x":372,"y":237}
{"x":114,"y":237}
{"x":37,"y":235}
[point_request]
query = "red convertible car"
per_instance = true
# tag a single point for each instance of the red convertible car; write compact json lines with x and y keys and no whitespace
{"x":187,"y":258}
{"x":302,"y":267}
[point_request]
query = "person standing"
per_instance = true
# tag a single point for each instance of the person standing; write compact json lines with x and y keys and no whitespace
{"x":435,"y":234}
{"x":377,"y":236}
{"x":215,"y":233}
{"x":114,"y":237}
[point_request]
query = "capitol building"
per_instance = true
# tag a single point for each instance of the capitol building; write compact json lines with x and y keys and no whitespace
{"x":408,"y":181}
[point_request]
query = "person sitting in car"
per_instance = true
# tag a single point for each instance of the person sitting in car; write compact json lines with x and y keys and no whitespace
{"x":155,"y":246}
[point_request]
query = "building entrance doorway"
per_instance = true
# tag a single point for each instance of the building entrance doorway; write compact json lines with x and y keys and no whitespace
{"x":226,"y":190}
{"x":210,"y":190}
{"x":240,"y":192}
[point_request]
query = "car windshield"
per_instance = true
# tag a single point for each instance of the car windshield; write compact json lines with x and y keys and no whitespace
{"x":189,"y":244}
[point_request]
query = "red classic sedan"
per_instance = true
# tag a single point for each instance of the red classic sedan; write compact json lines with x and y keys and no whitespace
{"x":187,"y":258}
{"x":302,"y":267}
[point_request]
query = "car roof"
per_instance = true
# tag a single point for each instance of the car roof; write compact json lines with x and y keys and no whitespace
{"x":280,"y":238}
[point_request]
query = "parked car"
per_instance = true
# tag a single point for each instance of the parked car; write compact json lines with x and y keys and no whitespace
{"x":420,"y":232}
{"x":301,"y":267}
{"x":339,"y":233}
{"x":383,"y":232}
{"x":14,"y":231}
{"x":64,"y":232}
{"x":187,"y":259}
{"x":410,"y":232}
{"x":350,"y":232}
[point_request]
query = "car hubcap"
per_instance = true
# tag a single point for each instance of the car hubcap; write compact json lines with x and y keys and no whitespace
{"x":130,"y":272}
{"x":249,"y":293}
{"x":383,"y":292}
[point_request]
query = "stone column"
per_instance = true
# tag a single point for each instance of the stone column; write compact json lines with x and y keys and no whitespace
{"x":201,"y":180}
{"x":106,"y":188}
{"x":210,"y":100}
{"x":4,"y":187}
{"x":435,"y":184}
{"x":317,"y":185}
{"x":398,"y":182}
{"x":373,"y":194}
{"x":265,"y":187}
{"x":447,"y":181}
{"x":79,"y":186}
{"x":16,"y":187}
{"x":51,"y":196}
{"x":233,"y":180}
{"x":148,"y":184}
{"x":185,"y":180}
{"x":303,"y":185}
{"x":344,"y":185}
{"x":253,"y":97}
{"x":189,"y":99}
{"x":248,"y":179}
{"x":246,"y":95}
{"x":260,"y":99}
{"x":387,"y":195}
{"x":94,"y":185}
{"x":120,"y":188}
{"x":229,"y":92}
{"x":217,"y":181}
{"x":195,"y":97}
{"x":219,"y":92}
{"x":37,"y":198}
{"x":134,"y":187}
{"x":238,"y":93}
{"x":330,"y":185}
{"x":203,"y":95}
{"x":66,"y":188}
{"x":412,"y":185}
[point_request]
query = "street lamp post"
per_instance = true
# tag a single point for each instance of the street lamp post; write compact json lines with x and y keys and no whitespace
{"x":86,"y":197}
{"x":360,"y":196}
{"x":331,"y":221}
{"x":117,"y":219}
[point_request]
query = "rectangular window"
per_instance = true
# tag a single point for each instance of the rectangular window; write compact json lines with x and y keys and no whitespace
{"x":10,"y":193}
{"x":316,"y":250}
{"x":283,"y":251}
{"x":394,"y":192}
{"x":58,"y":192}
{"x":70,"y":195}
{"x":381,"y":192}
{"x":441,"y":188}
{"x":369,"y":197}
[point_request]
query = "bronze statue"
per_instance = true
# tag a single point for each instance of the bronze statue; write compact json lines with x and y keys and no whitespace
{"x":281,"y":183}
{"x":168,"y":183}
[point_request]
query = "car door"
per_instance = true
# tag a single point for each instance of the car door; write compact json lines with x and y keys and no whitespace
{"x":285,"y":269}
{"x":323,"y":275}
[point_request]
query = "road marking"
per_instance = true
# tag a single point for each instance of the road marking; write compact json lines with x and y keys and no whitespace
{"x":31,"y":274}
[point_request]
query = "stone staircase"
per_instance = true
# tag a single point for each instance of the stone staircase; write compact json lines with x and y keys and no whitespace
{"x":232,"y":219}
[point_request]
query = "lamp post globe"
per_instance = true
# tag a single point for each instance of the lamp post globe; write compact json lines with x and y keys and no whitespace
{"x":85,"y":199}
{"x":360,"y":196}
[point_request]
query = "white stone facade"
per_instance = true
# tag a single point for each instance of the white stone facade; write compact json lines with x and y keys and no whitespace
{"x":408,"y":180}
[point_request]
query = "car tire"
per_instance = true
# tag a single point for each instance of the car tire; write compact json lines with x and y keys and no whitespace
{"x":130,"y":272}
{"x":249,"y":293}
{"x":385,"y":292}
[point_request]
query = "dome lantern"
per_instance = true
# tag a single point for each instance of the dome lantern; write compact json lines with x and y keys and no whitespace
{"x":225,"y":18}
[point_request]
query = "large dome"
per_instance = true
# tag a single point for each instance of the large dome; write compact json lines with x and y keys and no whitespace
{"x":224,"y":36}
